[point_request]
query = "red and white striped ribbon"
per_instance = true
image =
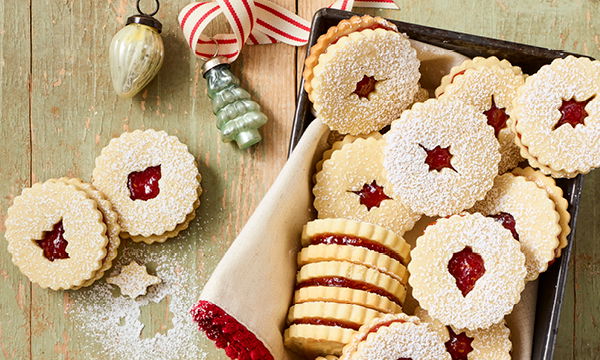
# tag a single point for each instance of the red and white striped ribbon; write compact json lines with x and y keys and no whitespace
{"x":253,"y":22}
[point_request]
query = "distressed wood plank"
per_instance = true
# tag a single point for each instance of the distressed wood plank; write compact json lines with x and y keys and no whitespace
{"x":14,"y":170}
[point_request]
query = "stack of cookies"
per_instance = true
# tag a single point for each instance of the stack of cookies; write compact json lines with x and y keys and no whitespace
{"x":492,"y":222}
{"x":349,"y":273}
{"x":65,"y":233}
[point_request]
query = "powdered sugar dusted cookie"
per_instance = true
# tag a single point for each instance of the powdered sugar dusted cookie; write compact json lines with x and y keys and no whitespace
{"x":556,"y":116}
{"x":556,"y":194}
{"x":492,"y":343}
{"x":397,"y":336}
{"x":441,"y":157}
{"x":364,"y":79}
{"x":352,"y":184}
{"x":491,"y":89}
{"x":467,"y":271}
{"x":528,"y":212}
{"x":56,"y":235}
{"x":152,"y":181}
{"x":475,"y":63}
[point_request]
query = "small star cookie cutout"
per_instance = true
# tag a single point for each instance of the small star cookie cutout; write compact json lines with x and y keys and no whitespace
{"x":133,"y":280}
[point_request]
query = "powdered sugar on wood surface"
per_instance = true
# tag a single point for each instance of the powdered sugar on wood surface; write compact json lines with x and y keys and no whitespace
{"x":110,"y":323}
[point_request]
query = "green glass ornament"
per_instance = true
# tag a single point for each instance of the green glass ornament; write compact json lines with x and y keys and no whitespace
{"x":238,"y":116}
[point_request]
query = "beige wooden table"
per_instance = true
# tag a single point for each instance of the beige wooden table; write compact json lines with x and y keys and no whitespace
{"x":58,"y":110}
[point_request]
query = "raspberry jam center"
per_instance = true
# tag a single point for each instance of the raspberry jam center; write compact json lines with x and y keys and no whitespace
{"x":466,"y":267}
{"x":457,"y":74}
{"x":459,"y":346}
{"x":496,"y":117}
{"x":371,"y":195}
{"x":365,"y":87}
{"x":438,"y":158}
{"x":508,"y":221}
{"x":572,"y":112}
{"x":143,"y":185}
{"x":54,"y":244}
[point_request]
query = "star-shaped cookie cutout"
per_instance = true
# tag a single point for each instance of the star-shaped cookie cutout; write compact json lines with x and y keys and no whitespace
{"x":133,"y":280}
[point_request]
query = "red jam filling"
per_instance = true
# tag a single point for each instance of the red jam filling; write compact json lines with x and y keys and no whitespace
{"x":54,"y":244}
{"x":508,"y":221}
{"x":438,"y":158}
{"x":143,"y":185}
{"x":496,"y":117}
{"x":371,"y":195}
{"x":459,"y":346}
{"x":340,"y":239}
{"x":466,"y":267}
{"x":327,"y":322}
{"x":572,"y":112}
{"x":457,"y":74}
{"x":334,"y":281}
{"x":365,"y":87}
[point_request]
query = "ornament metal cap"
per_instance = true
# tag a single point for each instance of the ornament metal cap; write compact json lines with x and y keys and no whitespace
{"x":213,"y":63}
{"x":144,"y":19}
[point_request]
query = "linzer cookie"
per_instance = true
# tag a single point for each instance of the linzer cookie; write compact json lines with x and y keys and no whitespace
{"x":475,"y":63}
{"x":111,"y":221}
{"x":527,"y":211}
{"x":467,"y":271}
{"x":490,"y":89}
{"x":56,"y":235}
{"x":556,"y":194}
{"x":492,"y":343}
{"x":330,"y":317}
{"x":441,"y":157}
{"x":556,"y":116}
{"x":337,"y":145}
{"x":361,"y":75}
{"x":352,"y":184}
{"x":152,"y":181}
{"x":395,"y":337}
{"x":346,"y":295}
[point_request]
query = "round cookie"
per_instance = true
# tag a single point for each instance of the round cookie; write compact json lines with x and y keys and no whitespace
{"x":556,"y":194}
{"x":56,"y":235}
{"x":441,"y":157}
{"x":364,"y":80}
{"x":314,"y":340}
{"x":352,"y":184}
{"x":346,"y":296}
{"x":152,"y":181}
{"x":467,"y":271}
{"x":396,"y":336}
{"x":556,"y":116}
{"x":110,"y":219}
{"x":525,"y":209}
{"x":475,"y":63}
{"x":492,"y":343}
{"x":491,"y":89}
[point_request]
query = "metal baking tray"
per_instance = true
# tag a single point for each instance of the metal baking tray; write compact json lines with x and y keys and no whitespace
{"x":530,"y":59}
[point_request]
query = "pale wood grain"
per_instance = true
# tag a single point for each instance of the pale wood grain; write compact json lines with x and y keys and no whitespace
{"x":74,"y":113}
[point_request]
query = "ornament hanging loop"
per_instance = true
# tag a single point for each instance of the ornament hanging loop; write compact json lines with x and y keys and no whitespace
{"x":137,"y":5}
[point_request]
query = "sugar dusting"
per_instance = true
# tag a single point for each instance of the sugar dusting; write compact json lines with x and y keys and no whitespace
{"x":111,"y":323}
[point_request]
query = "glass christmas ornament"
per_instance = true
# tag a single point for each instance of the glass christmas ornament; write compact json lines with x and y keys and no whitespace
{"x":136,"y":53}
{"x":238,"y":116}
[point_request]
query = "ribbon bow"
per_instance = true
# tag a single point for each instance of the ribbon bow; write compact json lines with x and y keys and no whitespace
{"x":253,"y":22}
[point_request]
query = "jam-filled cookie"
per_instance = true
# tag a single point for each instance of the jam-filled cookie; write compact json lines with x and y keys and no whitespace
{"x":353,"y":184}
{"x":556,"y":194}
{"x":556,"y":116}
{"x":491,"y":89}
{"x":475,"y":63}
{"x":56,"y":235}
{"x":441,"y":157}
{"x":152,"y":181}
{"x":110,"y":219}
{"x":361,"y":75}
{"x":525,"y":209}
{"x":467,"y":271}
{"x":328,"y":320}
{"x":492,"y":343}
{"x":395,"y":336}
